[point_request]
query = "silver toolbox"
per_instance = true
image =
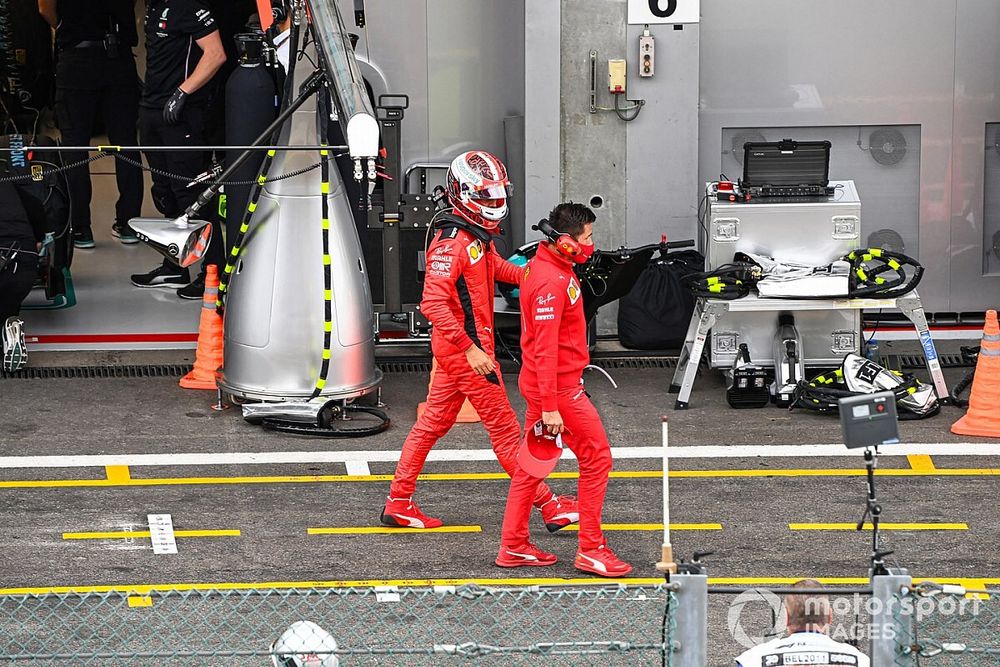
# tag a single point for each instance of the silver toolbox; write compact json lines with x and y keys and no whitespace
{"x":827,"y":336}
{"x":808,"y":232}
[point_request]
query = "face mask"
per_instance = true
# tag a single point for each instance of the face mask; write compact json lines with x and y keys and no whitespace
{"x":587,"y":251}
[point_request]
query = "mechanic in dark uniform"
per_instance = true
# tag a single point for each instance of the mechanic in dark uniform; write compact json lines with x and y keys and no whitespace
{"x":96,"y":78}
{"x":183,"y":53}
{"x":22,"y":229}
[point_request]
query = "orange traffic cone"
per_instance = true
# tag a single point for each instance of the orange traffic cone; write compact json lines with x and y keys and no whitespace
{"x":208,"y":356}
{"x":467,"y":415}
{"x":983,"y":418}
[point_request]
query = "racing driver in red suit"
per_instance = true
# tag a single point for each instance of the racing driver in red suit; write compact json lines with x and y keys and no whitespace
{"x":458,"y":300}
{"x":554,"y":343}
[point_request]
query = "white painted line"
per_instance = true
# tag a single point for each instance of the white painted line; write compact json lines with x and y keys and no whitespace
{"x":358,"y":468}
{"x":161,"y":532}
{"x":465,"y":455}
{"x":937,"y":335}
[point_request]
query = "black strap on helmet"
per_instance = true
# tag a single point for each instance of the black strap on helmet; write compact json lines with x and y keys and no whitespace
{"x":881,"y":273}
{"x":450,"y":220}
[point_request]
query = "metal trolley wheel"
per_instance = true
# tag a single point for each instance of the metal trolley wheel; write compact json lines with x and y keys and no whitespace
{"x":335,"y":421}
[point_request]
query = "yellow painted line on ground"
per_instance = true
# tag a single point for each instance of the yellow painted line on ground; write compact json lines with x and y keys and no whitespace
{"x":147,"y":589}
{"x":881,"y":525}
{"x":380,"y":530}
{"x":639,"y":527}
{"x":481,"y":476}
{"x":125,"y":534}
{"x":920,"y":461}
{"x":974,"y":584}
{"x":117,"y":474}
{"x":140,"y":601}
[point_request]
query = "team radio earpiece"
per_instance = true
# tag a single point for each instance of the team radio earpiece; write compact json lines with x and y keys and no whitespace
{"x":565,"y":244}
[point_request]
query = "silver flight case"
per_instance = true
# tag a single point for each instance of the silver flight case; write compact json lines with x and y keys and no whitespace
{"x":807,"y":232}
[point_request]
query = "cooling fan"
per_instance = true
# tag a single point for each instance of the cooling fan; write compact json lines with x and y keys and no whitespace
{"x":887,"y":239}
{"x":887,"y":146}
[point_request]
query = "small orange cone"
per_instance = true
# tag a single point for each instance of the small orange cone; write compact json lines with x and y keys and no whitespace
{"x":983,"y":417}
{"x":208,"y":356}
{"x":467,"y":415}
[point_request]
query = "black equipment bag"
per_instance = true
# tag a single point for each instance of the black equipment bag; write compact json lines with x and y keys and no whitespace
{"x":655,"y":314}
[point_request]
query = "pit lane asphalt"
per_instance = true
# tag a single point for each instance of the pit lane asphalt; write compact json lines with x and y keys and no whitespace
{"x":274,"y":506}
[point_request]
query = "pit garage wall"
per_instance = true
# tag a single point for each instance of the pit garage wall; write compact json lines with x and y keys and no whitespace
{"x":462,"y":64}
{"x":926,"y":67}
{"x":926,"y":63}
{"x":468,"y":64}
{"x":640,"y":177}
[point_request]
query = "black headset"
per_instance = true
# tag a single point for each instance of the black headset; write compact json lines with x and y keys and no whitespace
{"x":565,"y":244}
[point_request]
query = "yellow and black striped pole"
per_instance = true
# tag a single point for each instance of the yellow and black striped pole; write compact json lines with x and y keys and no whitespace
{"x":327,"y":270}
{"x":258,"y":187}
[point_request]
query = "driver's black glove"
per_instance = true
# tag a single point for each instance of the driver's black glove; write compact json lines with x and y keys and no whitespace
{"x":172,"y":109}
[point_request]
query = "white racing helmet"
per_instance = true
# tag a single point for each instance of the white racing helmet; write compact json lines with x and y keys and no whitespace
{"x":305,"y":644}
{"x":478,"y":188}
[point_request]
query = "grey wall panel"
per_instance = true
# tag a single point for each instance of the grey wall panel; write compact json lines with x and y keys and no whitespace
{"x":887,"y":175}
{"x":662,"y":143}
{"x":977,"y":83}
{"x":395,"y":40}
{"x":462,"y":64}
{"x":460,"y":61}
{"x":991,"y":200}
{"x":542,"y":110}
{"x":475,"y":73}
{"x":786,"y":63}
{"x":593,"y":145}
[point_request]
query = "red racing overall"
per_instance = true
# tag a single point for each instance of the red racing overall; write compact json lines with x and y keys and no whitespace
{"x":458,"y":300}
{"x":554,"y":343}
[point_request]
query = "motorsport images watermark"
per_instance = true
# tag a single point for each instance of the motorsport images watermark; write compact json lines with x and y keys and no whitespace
{"x":758,"y":615}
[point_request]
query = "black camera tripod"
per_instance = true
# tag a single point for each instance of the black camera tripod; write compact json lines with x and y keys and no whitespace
{"x":874,"y":510}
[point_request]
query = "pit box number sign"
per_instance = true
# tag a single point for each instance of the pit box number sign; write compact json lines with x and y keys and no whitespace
{"x":664,"y":11}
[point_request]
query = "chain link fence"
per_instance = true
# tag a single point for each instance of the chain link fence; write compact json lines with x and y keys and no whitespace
{"x":945,"y":625}
{"x":615,"y":625}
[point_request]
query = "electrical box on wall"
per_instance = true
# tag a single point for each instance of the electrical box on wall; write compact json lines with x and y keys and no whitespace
{"x":647,"y":52}
{"x":616,"y":77}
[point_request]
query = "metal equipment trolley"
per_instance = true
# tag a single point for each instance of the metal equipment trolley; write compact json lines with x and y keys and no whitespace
{"x":708,"y":312}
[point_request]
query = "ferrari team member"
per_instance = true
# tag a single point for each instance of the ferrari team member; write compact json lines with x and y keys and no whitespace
{"x":554,"y":345}
{"x":458,"y":300}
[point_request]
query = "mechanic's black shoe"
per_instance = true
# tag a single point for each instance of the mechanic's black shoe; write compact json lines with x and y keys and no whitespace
{"x":124,"y":233}
{"x":162,"y":276}
{"x":195,"y":290}
{"x":84,"y":239}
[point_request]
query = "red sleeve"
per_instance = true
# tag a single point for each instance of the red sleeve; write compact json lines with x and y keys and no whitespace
{"x":445,"y":263}
{"x":507,"y":272}
{"x":546,"y":309}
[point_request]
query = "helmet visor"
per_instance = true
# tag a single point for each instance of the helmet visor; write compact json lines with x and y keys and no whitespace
{"x":491,"y":190}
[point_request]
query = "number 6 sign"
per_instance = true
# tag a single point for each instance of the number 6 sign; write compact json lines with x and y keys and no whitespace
{"x":664,"y":11}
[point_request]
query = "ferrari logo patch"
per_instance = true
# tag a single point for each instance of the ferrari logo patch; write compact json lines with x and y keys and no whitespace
{"x":573,"y":291}
{"x":475,"y":250}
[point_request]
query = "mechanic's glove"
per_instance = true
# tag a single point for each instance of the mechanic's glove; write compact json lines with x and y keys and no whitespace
{"x":172,"y":109}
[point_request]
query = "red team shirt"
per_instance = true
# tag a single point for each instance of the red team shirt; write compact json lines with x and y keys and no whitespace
{"x":553,"y":327}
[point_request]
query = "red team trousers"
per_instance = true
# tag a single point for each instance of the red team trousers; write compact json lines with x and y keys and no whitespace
{"x":452,"y":383}
{"x":588,"y":441}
